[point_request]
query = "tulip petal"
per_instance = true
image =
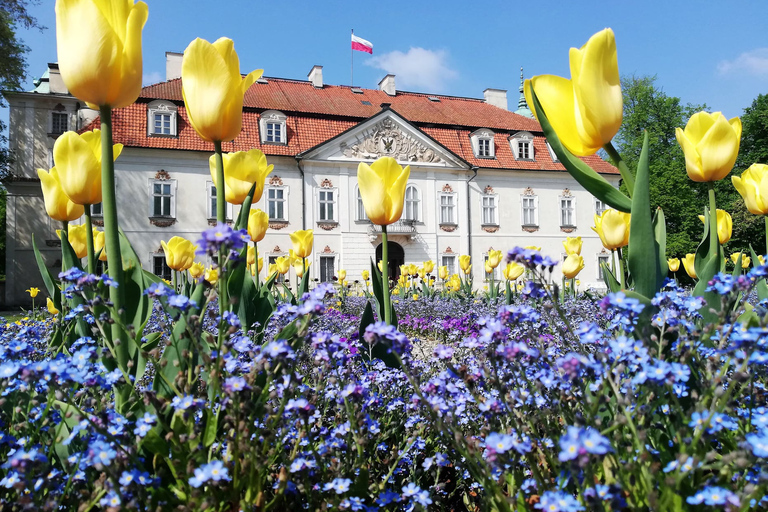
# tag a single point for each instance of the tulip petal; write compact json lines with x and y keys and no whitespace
{"x":718,"y":150}
{"x":131,"y":64}
{"x":79,"y":170}
{"x":557,"y":99}
{"x":373,"y":193}
{"x":698,"y":126}
{"x":692,"y":158}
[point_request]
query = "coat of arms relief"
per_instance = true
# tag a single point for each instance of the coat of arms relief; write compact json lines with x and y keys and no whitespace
{"x":387,"y":139}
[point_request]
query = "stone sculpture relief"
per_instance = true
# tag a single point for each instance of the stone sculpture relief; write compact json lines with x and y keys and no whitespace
{"x":386,"y":139}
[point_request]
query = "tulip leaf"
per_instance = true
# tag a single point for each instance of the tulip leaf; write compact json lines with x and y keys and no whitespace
{"x":581,"y":172}
{"x":737,"y":266}
{"x":137,"y":305}
{"x":47,"y":275}
{"x":304,"y":285}
{"x":508,"y":293}
{"x":660,"y":234}
{"x":378,"y":292}
{"x":762,"y":287}
{"x":610,"y":280}
{"x":643,"y":257}
{"x":245,"y":209}
{"x":239,"y":290}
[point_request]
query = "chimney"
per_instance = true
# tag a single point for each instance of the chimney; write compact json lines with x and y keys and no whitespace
{"x":387,"y":85}
{"x":55,"y":82}
{"x":496,"y":97}
{"x":316,"y":76}
{"x":173,"y":65}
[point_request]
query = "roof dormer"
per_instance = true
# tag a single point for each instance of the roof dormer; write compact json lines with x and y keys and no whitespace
{"x":482,"y":143}
{"x":272,"y":127}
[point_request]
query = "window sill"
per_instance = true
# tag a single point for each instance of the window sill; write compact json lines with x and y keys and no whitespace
{"x":164,"y":135}
{"x":162,"y":222}
{"x":567,"y":229}
{"x":274,"y":143}
{"x":530,"y":228}
{"x":362,"y":221}
{"x":448,"y":227}
{"x":525,"y":159}
{"x":490,"y":228}
{"x":212,"y":221}
{"x":327,"y":225}
{"x":278,"y":224}
{"x":490,"y":157}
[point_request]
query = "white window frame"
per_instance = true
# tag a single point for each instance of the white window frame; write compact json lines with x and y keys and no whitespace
{"x":54,"y":113}
{"x":487,"y":275}
{"x":572,"y":202}
{"x":416,"y":217}
{"x":273,"y":117}
{"x":329,"y":279}
{"x":284,"y":201}
{"x":210,"y":210}
{"x":157,"y":256}
{"x":607,"y":257}
{"x":453,"y":220}
{"x":172,"y":183}
{"x":334,"y":204}
{"x":535,"y":211}
{"x":97,"y":210}
{"x":164,"y":108}
{"x":515,"y":142}
{"x":453,"y":268}
{"x":600,"y":207}
{"x":360,"y":215}
{"x":495,"y":209}
{"x":487,"y":137}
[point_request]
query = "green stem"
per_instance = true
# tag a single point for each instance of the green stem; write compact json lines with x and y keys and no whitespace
{"x":112,"y":236}
{"x":626,"y":174}
{"x":64,"y":234}
{"x":89,"y":240}
{"x":221,"y":218}
{"x":714,"y":240}
{"x":766,"y":234}
{"x":621,"y":271}
{"x":385,"y":275}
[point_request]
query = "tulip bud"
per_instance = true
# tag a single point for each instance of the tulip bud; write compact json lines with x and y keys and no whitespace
{"x":51,"y":307}
{"x":76,"y":235}
{"x":283,"y":264}
{"x":99,"y":246}
{"x":429,"y":267}
{"x":724,"y":225}
{"x":688,"y":262}
{"x":179,"y":253}
{"x":572,"y":265}
{"x":57,"y":204}
{"x":196,"y":270}
{"x":251,"y":256}
{"x":258,"y":222}
{"x":366,"y":275}
{"x":341,"y":275}
{"x":572,"y":245}
{"x":513,"y":270}
{"x":242,"y":170}
{"x":711,"y":144}
{"x":212,"y":275}
{"x":494,"y":258}
{"x":382,"y":189}
{"x":673,"y":264}
{"x":613,"y":228}
{"x":33,"y":291}
{"x":464,"y":263}
{"x":302,"y":242}
{"x":443,"y":272}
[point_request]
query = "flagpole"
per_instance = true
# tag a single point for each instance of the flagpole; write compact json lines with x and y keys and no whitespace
{"x":352,"y":63}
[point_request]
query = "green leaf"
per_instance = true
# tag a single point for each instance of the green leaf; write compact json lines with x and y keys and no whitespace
{"x":737,"y":266}
{"x":365,"y":320}
{"x":47,"y":275}
{"x":304,"y":285}
{"x":211,"y":427}
{"x":762,"y":287}
{"x":508,"y":291}
{"x":643,"y":258}
{"x":660,"y":234}
{"x":245,"y":209}
{"x":154,"y":443}
{"x":610,"y":280}
{"x":289,"y":297}
{"x":378,"y":291}
{"x":581,"y":172}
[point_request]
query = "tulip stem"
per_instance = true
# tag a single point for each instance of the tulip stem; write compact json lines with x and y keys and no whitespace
{"x":626,"y":174}
{"x":714,"y":239}
{"x":766,"y":234}
{"x":89,"y":240}
{"x":621,"y":271}
{"x":112,"y":237}
{"x":385,"y":275}
{"x":221,"y":218}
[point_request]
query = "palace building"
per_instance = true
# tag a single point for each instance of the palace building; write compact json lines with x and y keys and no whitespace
{"x":482,"y":176}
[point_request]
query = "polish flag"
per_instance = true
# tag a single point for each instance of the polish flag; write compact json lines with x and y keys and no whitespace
{"x":361,"y":45}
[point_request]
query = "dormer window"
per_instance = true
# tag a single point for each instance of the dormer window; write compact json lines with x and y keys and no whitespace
{"x":272,"y":127}
{"x":482,"y":143}
{"x":161,"y":119}
{"x":522,"y":145}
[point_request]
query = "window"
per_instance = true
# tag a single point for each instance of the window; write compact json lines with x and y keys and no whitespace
{"x":280,"y":277}
{"x":530,"y":212}
{"x":412,"y":203}
{"x":449,"y":260}
{"x":161,"y":118}
{"x":600,"y":207}
{"x":522,"y":145}
{"x":327,"y":268}
{"x":326,"y":205}
{"x":489,"y":210}
{"x":567,"y":212}
{"x":160,"y":267}
{"x":601,"y":260}
{"x":162,"y":198}
{"x":447,"y":208}
{"x":96,"y":210}
{"x":273,"y":128}
{"x":59,"y":122}
{"x":494,"y":273}
{"x":276,"y":203}
{"x":361,"y":215}
{"x":482,"y":143}
{"x":212,"y":202}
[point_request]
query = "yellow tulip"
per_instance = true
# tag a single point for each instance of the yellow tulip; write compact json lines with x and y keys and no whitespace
{"x":57,"y":204}
{"x":415,"y":296}
{"x":745,"y":260}
{"x":488,"y":267}
{"x":494,"y":259}
{"x":78,"y":161}
{"x":258,"y":222}
{"x":711,"y":144}
{"x":673,"y":264}
{"x":724,"y":225}
{"x":271,"y":269}
{"x":442,"y":272}
{"x":298,"y":266}
{"x":413,"y":270}
{"x":573,"y":265}
{"x":753,"y":187}
{"x":613,"y":228}
{"x":52,"y":307}
{"x":283,"y":264}
{"x":99,"y":49}
{"x":196,"y":270}
{"x":533,"y":248}
{"x":261,"y":265}
{"x":378,"y":264}
{"x":382,"y":189}
{"x":513,"y":270}
{"x":33,"y":291}
{"x":429,"y":267}
{"x":241,"y":170}
{"x":761,"y":258}
{"x":179,"y":253}
{"x":422,"y":273}
{"x":212,"y":275}
{"x":366,"y":275}
{"x":302,"y":242}
{"x":688,"y":265}
{"x":341,"y":275}
{"x":76,"y":235}
{"x":572,"y":245}
{"x":251,"y":256}
{"x":213,"y":88}
{"x":585,"y":111}
{"x":464,"y":263}
{"x":99,"y":244}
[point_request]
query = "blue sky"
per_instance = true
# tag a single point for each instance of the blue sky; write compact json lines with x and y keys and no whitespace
{"x":704,"y":52}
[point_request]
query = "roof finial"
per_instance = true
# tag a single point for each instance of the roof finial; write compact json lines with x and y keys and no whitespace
{"x":522,"y":105}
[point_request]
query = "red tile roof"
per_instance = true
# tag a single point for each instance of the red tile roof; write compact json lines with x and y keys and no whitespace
{"x":315,"y":115}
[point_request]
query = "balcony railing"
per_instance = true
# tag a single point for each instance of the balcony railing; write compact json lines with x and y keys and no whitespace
{"x":401,"y":227}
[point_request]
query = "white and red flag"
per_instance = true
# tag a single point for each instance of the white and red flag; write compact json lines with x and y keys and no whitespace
{"x":361,"y":45}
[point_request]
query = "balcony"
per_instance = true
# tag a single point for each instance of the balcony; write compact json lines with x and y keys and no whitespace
{"x":402,"y":227}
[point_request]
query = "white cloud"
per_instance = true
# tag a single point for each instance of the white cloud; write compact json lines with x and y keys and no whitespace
{"x":419,"y":68}
{"x":754,"y":62}
{"x":152,"y":77}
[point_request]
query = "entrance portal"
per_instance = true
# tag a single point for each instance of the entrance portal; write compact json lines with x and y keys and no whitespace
{"x":396,"y":258}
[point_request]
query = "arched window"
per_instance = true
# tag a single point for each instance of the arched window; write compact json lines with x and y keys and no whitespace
{"x":482,"y":143}
{"x":161,"y":118}
{"x":412,"y":203}
{"x":521,"y":144}
{"x":273,"y":128}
